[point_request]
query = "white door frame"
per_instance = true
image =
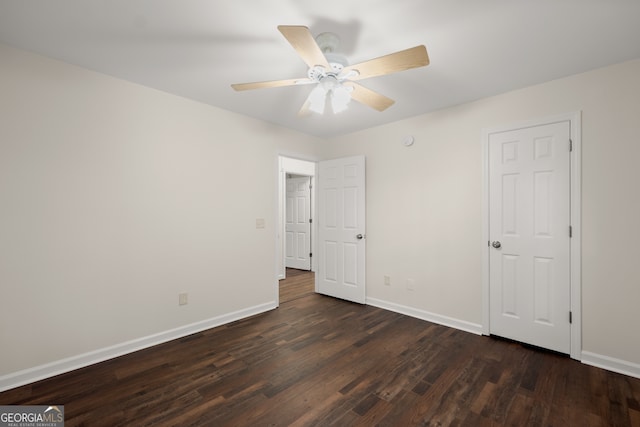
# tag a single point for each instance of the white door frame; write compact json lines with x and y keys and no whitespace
{"x":575,"y":206}
{"x":288,"y":164}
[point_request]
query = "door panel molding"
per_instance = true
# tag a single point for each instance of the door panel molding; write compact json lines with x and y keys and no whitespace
{"x":298,"y":223}
{"x":575,"y":218}
{"x":341,"y":228}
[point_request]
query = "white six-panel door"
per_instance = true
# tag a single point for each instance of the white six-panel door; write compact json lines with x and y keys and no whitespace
{"x":529,"y":219}
{"x":297,"y":223}
{"x":341,"y":228}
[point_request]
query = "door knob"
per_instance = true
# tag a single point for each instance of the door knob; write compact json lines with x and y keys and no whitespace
{"x":359,"y":236}
{"x":496,"y":244}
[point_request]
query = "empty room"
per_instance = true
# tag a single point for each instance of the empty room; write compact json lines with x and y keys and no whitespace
{"x":320,"y":213}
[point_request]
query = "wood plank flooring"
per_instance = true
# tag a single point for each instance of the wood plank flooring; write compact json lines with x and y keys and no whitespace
{"x":299,"y":283}
{"x":319,"y":361}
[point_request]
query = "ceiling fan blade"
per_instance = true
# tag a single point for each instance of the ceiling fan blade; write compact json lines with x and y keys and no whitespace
{"x":392,"y":63}
{"x":369,"y":97}
{"x":305,"y":111}
{"x":303,"y":42}
{"x":272,"y":83}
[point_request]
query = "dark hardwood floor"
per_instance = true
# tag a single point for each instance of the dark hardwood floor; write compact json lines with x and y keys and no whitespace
{"x":322,"y":361}
{"x":298,"y":284}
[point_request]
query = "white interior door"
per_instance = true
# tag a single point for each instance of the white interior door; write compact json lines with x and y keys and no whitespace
{"x":529,"y":219}
{"x":341,"y":228}
{"x":298,"y":223}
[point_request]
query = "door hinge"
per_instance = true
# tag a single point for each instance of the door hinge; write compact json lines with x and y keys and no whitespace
{"x":570,"y":317}
{"x":570,"y":144}
{"x":310,"y":221}
{"x":488,"y":243}
{"x":310,"y":254}
{"x":570,"y":231}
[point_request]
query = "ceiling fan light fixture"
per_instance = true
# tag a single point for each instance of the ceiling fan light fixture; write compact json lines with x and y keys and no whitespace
{"x":329,"y":82}
{"x":317,"y":99}
{"x":340,"y":98}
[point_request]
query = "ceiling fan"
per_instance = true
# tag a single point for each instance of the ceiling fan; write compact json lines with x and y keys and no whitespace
{"x":334,"y":78}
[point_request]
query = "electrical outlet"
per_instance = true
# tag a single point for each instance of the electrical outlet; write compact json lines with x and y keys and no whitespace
{"x":411,"y":284}
{"x":387,"y":281}
{"x":182,"y":299}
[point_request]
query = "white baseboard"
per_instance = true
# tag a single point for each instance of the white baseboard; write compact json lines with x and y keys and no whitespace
{"x":27,"y":376}
{"x":605,"y":362}
{"x":48,"y":370}
{"x":611,"y":364}
{"x":463,"y":325}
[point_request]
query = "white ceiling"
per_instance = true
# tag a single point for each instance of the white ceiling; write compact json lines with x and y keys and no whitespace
{"x":197,"y":48}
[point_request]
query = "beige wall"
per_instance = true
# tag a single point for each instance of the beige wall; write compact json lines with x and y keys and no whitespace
{"x":114,"y":198}
{"x":424,"y":202}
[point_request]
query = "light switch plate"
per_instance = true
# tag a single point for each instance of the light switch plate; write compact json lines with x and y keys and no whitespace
{"x":182,"y":299}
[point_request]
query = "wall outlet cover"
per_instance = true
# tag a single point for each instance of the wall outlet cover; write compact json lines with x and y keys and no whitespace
{"x":411,"y":284}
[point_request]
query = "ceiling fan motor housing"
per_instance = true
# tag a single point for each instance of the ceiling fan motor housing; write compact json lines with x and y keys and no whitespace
{"x":328,"y":42}
{"x":319,"y":72}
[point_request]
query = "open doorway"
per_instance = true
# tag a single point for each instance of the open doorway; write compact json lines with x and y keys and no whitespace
{"x":295,"y":238}
{"x":340,"y":230}
{"x":298,"y":284}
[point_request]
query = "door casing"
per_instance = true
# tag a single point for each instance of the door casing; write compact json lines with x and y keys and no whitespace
{"x":287,"y":164}
{"x":575,"y":207}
